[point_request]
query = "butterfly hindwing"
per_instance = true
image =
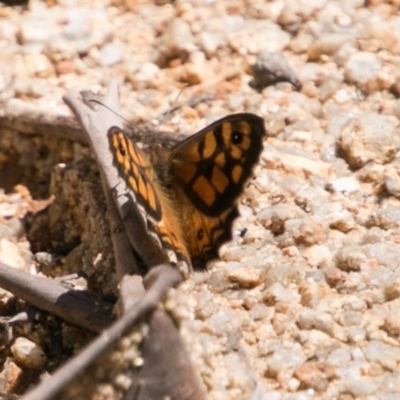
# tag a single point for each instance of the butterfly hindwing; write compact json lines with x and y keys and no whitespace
{"x":213,"y":165}
{"x":209,"y":171}
{"x":207,"y":234}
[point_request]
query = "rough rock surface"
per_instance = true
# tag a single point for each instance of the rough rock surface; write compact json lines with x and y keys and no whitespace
{"x":304,"y":303}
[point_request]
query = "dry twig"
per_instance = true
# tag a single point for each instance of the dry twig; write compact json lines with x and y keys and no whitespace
{"x":164,"y":277}
{"x":75,"y":306}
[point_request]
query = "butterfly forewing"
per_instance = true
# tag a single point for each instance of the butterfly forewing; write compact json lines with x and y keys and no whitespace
{"x":213,"y":165}
{"x":137,"y":172}
{"x":135,"y":169}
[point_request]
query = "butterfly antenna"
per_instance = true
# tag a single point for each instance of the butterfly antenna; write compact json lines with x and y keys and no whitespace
{"x":110,"y":109}
{"x":172,"y":109}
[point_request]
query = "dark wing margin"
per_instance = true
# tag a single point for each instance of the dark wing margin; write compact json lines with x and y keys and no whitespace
{"x":213,"y":165}
{"x":218,"y":235}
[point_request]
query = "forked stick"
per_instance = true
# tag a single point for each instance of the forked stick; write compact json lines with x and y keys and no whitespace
{"x":161,"y":279}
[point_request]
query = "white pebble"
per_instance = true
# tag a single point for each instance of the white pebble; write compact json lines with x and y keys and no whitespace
{"x":28,"y":354}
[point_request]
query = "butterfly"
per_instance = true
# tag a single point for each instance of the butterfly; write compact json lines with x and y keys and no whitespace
{"x":188,"y":194}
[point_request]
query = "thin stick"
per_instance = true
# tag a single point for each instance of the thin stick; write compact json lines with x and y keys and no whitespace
{"x":75,"y":306}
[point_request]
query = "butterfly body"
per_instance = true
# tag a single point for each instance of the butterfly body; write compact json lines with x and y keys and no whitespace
{"x":189,"y":193}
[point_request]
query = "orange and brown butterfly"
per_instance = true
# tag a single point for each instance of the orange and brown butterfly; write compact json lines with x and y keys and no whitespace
{"x":190,"y":192}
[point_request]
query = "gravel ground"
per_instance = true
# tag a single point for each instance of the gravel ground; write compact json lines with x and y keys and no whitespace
{"x":306,"y":305}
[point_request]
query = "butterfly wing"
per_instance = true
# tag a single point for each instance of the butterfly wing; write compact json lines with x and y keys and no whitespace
{"x":147,"y":194}
{"x":209,"y":172}
{"x":205,"y":235}
{"x":213,"y":165}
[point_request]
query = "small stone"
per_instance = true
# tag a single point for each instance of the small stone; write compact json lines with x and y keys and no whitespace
{"x":301,"y":42}
{"x":293,"y":385}
{"x":8,"y":30}
{"x":317,"y":255}
{"x":383,"y":354}
{"x":210,"y":41}
{"x":122,"y":381}
{"x":36,"y":29}
{"x":392,"y":181}
{"x":283,"y":324}
{"x":361,"y":388}
{"x":205,"y":307}
{"x":225,"y":322}
{"x":316,"y":340}
{"x":373,"y":235}
{"x":372,"y":173}
{"x":306,"y":231}
{"x":297,"y":165}
{"x":39,"y":65}
{"x":315,"y":374}
{"x":280,"y":273}
{"x":5,"y":232}
{"x":343,"y":221}
{"x":240,"y":374}
{"x":282,"y":359}
{"x":392,"y":324}
{"x":356,"y":334}
{"x":307,"y":319}
{"x":346,"y":184}
{"x":277,"y":293}
{"x":144,"y":76}
{"x":77,"y":23}
{"x":274,"y":217}
{"x":110,"y":54}
{"x":350,"y":258}
{"x":339,"y":357}
{"x":8,"y":210}
{"x":362,"y":69}
{"x":232,"y":252}
{"x":271,"y":68}
{"x":309,"y":292}
{"x":28,"y":354}
{"x":261,"y":311}
{"x":312,"y":200}
{"x":331,"y":87}
{"x":65,"y":67}
{"x":325,"y":323}
{"x":392,"y":289}
{"x":245,"y":212}
{"x":326,"y":44}
{"x":243,"y":275}
{"x":9,"y":378}
{"x":386,"y":217}
{"x":10,"y":254}
{"x":385,"y":253}
{"x":370,"y":137}
{"x":16,"y":226}
{"x":60,"y":49}
{"x":177,"y":41}
{"x":299,"y":12}
{"x":338,"y":122}
{"x":191,"y":74}
{"x":219,"y":281}
{"x":255,"y":35}
{"x":47,"y":259}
